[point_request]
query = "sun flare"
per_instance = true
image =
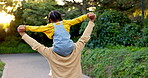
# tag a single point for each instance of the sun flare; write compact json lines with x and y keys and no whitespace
{"x":5,"y":18}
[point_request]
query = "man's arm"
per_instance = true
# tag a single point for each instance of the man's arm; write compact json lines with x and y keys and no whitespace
{"x":86,"y":34}
{"x":45,"y":51}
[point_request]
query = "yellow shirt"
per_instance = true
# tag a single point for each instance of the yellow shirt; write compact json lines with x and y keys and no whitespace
{"x":49,"y":28}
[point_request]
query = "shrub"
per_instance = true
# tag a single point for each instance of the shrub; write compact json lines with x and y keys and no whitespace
{"x":113,"y":28}
{"x":21,"y":48}
{"x":1,"y":68}
{"x":144,"y":40}
{"x":10,"y":41}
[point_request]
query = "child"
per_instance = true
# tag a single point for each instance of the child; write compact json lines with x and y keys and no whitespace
{"x":62,"y":44}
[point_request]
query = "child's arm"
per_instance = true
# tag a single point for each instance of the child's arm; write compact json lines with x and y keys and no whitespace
{"x":77,"y":20}
{"x":39,"y":28}
{"x":80,"y":19}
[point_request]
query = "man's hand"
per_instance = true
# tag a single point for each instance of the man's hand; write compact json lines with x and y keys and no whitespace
{"x":21,"y":28}
{"x":22,"y":33}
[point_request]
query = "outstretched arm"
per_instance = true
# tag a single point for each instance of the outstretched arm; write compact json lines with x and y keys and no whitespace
{"x":88,"y":30}
{"x":79,"y":19}
{"x":39,"y":28}
{"x":35,"y":28}
{"x":86,"y":34}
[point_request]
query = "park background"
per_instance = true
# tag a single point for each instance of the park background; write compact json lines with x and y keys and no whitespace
{"x":118,"y":47}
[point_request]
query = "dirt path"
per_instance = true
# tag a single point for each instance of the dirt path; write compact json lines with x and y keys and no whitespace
{"x":28,"y":65}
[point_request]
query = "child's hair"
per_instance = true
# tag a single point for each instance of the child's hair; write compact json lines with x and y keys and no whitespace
{"x":54,"y":16}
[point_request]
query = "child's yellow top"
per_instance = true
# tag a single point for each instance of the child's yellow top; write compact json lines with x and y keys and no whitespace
{"x":49,"y":28}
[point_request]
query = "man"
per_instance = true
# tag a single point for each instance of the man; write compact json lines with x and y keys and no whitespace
{"x":63,"y":66}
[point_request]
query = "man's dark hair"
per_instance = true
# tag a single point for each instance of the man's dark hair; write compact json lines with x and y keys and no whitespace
{"x":54,"y":16}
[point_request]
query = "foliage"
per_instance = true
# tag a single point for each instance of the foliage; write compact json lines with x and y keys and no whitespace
{"x":125,"y":6}
{"x":11,"y":41}
{"x":116,"y":62}
{"x":36,"y":15}
{"x":144,"y":40}
{"x":1,"y":68}
{"x":8,"y":3}
{"x":2,"y":34}
{"x":112,"y":28}
{"x":7,"y":48}
{"x":138,"y":12}
{"x":81,"y":6}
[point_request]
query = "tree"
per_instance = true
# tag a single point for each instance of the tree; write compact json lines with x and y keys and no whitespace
{"x":2,"y":33}
{"x":125,"y":6}
{"x":80,"y":6}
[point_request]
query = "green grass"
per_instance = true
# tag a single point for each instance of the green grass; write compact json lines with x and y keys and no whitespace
{"x":1,"y":68}
{"x":116,"y":62}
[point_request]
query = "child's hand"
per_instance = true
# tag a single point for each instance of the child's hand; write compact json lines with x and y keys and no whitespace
{"x":21,"y":28}
{"x":91,"y":15}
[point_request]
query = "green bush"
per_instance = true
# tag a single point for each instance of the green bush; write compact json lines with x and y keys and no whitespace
{"x":1,"y":68}
{"x":10,"y":41}
{"x":144,"y":40}
{"x":113,"y":16}
{"x":116,"y":62}
{"x":21,"y":48}
{"x":14,"y":44}
{"x":113,"y":28}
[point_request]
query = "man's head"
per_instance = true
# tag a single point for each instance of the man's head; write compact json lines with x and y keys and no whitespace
{"x":54,"y":16}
